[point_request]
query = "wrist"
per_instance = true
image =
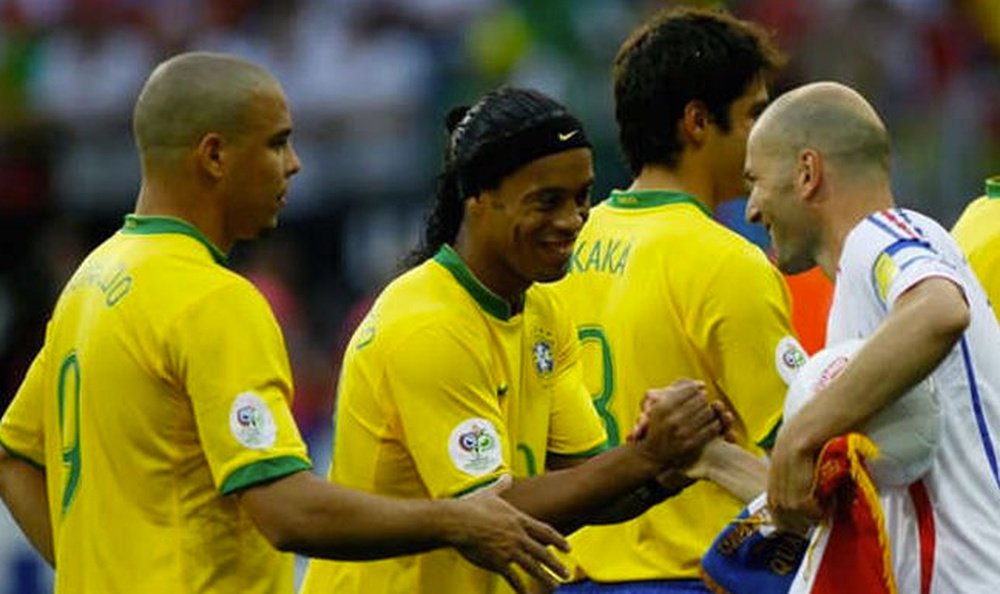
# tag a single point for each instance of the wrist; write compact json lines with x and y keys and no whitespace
{"x":647,"y":465}
{"x":446,"y":521}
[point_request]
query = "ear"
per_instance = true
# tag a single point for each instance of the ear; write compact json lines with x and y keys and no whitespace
{"x":474,"y":206}
{"x":808,"y":173}
{"x":694,"y":122}
{"x":209,"y":154}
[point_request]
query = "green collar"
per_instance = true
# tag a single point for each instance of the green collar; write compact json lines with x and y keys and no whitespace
{"x":155,"y":224}
{"x":652,"y":198}
{"x":993,"y":186}
{"x":492,"y":303}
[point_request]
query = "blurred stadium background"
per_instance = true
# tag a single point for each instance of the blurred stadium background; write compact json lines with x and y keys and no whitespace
{"x":369,"y":82}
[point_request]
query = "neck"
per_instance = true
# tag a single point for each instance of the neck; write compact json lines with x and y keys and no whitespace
{"x":684,"y":178}
{"x":494,"y":275}
{"x":842,"y":215}
{"x":165,"y":198}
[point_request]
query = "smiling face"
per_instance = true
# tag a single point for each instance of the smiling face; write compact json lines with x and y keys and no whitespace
{"x":260,"y":162}
{"x":776,"y":203}
{"x":525,"y":229}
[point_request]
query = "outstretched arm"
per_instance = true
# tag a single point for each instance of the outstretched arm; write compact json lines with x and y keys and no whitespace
{"x":308,"y":515}
{"x":615,"y":486}
{"x":22,"y":486}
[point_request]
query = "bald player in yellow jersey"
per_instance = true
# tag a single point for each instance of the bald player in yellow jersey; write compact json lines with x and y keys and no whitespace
{"x":151,"y":447}
{"x":659,"y":289}
{"x":977,"y":232}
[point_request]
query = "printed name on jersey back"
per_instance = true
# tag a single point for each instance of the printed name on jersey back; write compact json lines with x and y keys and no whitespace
{"x":609,"y":255}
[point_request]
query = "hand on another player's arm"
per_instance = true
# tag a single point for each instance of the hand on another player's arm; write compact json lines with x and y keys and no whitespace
{"x":495,"y":535}
{"x":305,"y":514}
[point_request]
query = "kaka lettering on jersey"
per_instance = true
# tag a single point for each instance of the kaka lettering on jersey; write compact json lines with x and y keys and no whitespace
{"x":607,"y":255}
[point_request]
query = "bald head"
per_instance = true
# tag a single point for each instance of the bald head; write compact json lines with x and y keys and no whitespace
{"x":193,"y":94}
{"x":830,"y":118}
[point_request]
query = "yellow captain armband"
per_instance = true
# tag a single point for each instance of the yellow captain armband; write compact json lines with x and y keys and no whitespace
{"x":885,"y":271}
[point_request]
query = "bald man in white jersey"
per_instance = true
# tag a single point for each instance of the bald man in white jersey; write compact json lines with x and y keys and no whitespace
{"x":818,"y":168}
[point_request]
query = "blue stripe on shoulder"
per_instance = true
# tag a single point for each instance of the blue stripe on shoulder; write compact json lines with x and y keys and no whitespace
{"x":905,"y":243}
{"x":885,"y":228}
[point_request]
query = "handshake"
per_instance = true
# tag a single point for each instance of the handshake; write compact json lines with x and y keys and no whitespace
{"x":674,"y":427}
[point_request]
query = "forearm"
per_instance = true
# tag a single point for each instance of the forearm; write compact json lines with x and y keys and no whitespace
{"x":917,"y":335}
{"x":319,"y":519}
{"x":22,"y":487}
{"x":734,"y":469}
{"x":599,"y":490}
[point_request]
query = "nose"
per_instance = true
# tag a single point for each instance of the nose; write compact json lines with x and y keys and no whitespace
{"x":572,"y":217}
{"x":752,"y":214}
{"x":293,"y":165}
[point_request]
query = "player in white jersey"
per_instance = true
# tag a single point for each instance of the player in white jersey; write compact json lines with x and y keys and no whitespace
{"x":818,"y":168}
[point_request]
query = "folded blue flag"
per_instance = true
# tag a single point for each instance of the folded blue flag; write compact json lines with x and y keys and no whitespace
{"x":750,"y":557}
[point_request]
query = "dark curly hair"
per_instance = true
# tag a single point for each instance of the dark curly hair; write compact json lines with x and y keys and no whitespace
{"x":682,"y":55}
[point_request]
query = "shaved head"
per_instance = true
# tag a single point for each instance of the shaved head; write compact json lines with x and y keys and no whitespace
{"x":193,"y":94}
{"x":830,"y":118}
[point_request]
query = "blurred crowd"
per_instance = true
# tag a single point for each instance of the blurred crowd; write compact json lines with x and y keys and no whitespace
{"x":368,"y":82}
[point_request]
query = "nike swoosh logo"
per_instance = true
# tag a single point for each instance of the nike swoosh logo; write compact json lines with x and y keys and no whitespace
{"x":501,"y":390}
{"x":567,"y":135}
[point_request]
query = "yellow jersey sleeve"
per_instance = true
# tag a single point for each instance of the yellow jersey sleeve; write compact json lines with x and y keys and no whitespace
{"x":22,"y":431}
{"x":749,"y":345}
{"x":230,"y":354}
{"x":449,"y":410}
{"x":575,"y":429}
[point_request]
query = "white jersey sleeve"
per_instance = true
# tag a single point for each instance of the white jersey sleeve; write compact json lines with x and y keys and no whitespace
{"x":944,"y":528}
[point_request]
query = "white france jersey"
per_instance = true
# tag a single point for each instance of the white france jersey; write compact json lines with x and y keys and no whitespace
{"x":945,"y":529}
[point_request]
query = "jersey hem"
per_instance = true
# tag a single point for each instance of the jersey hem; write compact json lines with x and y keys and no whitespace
{"x":20,"y":456}
{"x":477,"y":486}
{"x":598,"y":449}
{"x":261,"y":472}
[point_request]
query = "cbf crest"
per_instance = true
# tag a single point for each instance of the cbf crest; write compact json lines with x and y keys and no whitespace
{"x":541,"y":353}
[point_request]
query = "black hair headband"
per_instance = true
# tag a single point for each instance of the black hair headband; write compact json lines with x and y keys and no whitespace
{"x":501,"y":157}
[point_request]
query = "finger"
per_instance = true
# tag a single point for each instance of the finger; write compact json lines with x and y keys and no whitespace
{"x":545,"y":557}
{"x":510,"y":575}
{"x":685,"y":382}
{"x":690,"y":420}
{"x":545,"y":534}
{"x":529,"y":564}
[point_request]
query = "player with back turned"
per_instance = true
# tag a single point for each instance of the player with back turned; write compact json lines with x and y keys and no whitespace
{"x":671,"y":292}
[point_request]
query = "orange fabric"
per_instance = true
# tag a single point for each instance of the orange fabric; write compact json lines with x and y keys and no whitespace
{"x":812,"y":294}
{"x":857,"y":557}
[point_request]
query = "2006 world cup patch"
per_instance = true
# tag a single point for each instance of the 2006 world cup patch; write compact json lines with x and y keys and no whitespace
{"x":474,"y":447}
{"x":789,"y":356}
{"x":251,"y":421}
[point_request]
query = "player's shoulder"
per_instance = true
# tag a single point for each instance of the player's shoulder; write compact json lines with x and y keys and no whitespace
{"x":424,"y":299}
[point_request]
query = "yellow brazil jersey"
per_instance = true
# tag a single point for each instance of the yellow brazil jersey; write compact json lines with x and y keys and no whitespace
{"x":977,"y":232}
{"x":442,"y":391}
{"x":162,"y":388}
{"x":660,"y":291}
